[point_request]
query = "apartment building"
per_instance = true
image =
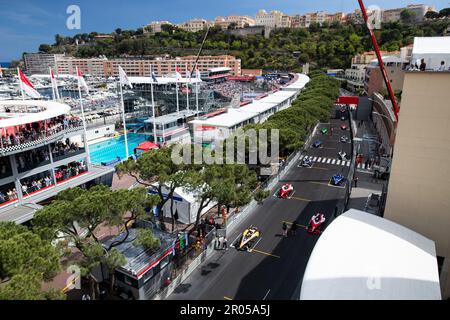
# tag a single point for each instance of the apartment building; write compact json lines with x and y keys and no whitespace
{"x":195,"y":25}
{"x":38,"y":63}
{"x":286,"y":21}
{"x":394,"y":15}
{"x":395,"y":68}
{"x":141,"y":67}
{"x":273,"y":19}
{"x":239,"y":21}
{"x":155,"y":26}
{"x":355,"y":17}
{"x":319,"y":17}
{"x":336,"y":17}
{"x":296,"y":21}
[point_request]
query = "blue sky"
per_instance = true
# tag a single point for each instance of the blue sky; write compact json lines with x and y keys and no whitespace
{"x":25,"y":24}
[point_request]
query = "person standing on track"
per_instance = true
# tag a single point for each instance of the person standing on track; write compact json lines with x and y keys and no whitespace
{"x":294,"y":228}
{"x":285,"y":229}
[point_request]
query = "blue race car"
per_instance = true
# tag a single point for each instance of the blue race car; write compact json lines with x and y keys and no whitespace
{"x":337,"y":179}
{"x":317,"y":144}
{"x":306,"y":162}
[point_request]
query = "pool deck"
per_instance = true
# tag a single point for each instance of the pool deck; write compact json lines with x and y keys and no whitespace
{"x":98,"y":140}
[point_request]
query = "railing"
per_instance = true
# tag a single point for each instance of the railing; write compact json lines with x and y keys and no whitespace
{"x":4,"y":150}
{"x":351,"y":173}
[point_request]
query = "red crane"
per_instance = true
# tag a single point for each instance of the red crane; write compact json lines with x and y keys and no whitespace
{"x":380,"y":60}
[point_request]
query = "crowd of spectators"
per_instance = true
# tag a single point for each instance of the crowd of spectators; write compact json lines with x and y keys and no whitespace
{"x":71,"y":170}
{"x":33,"y":185}
{"x":61,"y":149}
{"x":31,"y":159}
{"x":5,"y":167}
{"x":10,"y":195}
{"x":39,"y":130}
{"x":229,"y":89}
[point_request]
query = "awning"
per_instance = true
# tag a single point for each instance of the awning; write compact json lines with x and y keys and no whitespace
{"x":361,"y":256}
{"x":146,"y":146}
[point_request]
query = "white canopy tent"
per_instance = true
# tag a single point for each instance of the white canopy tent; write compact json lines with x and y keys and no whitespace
{"x":185,"y":203}
{"x":433,"y":50}
{"x":361,"y":256}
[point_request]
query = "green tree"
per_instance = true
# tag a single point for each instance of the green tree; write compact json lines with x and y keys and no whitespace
{"x":26,"y":261}
{"x":407,"y":16}
{"x":77,"y":214}
{"x":156,"y":169}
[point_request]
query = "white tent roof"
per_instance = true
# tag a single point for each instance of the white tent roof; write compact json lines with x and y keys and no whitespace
{"x":299,"y":84}
{"x":431,"y":45}
{"x":361,"y":256}
{"x":231,"y":118}
{"x":162,"y":80}
{"x":51,"y":109}
{"x":219,"y":69}
{"x":278,"y":97}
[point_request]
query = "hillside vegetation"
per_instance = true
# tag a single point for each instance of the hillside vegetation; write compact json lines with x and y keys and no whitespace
{"x":327,"y":46}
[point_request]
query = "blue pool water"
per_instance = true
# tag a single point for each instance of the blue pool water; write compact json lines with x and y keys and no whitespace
{"x":111,"y":149}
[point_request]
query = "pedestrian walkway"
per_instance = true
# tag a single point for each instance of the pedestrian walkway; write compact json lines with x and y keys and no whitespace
{"x":325,"y":160}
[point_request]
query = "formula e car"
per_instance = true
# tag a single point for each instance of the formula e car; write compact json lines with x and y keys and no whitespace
{"x":248,"y":238}
{"x":285,"y":191}
{"x":307,"y":163}
{"x":342,"y":155}
{"x":324,"y":131}
{"x":317,"y":144}
{"x":315,"y":223}
{"x":344,"y":127}
{"x":344,"y":139}
{"x":337,"y":179}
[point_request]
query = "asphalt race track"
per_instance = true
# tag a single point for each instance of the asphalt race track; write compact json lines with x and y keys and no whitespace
{"x":275,"y":268}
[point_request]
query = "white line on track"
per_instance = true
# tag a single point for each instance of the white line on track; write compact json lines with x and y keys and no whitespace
{"x":266,"y":295}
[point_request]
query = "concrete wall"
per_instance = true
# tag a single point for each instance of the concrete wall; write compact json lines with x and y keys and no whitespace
{"x":419,"y":188}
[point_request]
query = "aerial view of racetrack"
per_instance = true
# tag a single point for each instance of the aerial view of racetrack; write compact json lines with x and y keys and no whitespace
{"x":273,"y":268}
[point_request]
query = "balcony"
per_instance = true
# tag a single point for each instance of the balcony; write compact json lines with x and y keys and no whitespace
{"x":42,"y":141}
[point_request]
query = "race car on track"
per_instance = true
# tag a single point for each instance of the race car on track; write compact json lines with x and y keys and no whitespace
{"x":248,"y":238}
{"x":343,"y":118}
{"x":344,"y":139}
{"x":337,"y":179}
{"x":324,"y":131}
{"x":306,"y":162}
{"x":344,"y":127}
{"x":285,"y":191}
{"x":315,"y":223}
{"x":342,"y":155}
{"x":317,"y":144}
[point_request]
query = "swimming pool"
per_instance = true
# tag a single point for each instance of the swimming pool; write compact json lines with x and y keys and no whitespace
{"x":111,"y":149}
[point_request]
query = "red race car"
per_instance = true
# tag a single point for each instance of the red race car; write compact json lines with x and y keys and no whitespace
{"x":286,"y":191}
{"x":316,"y":221}
{"x":344,"y":127}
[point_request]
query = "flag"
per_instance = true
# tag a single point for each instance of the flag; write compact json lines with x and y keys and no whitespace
{"x":27,"y":87}
{"x":152,"y":73}
{"x":81,"y":80}
{"x":124,"y":81}
{"x":54,"y":83}
{"x":197,"y":73}
{"x":178,"y":74}
{"x":187,"y":73}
